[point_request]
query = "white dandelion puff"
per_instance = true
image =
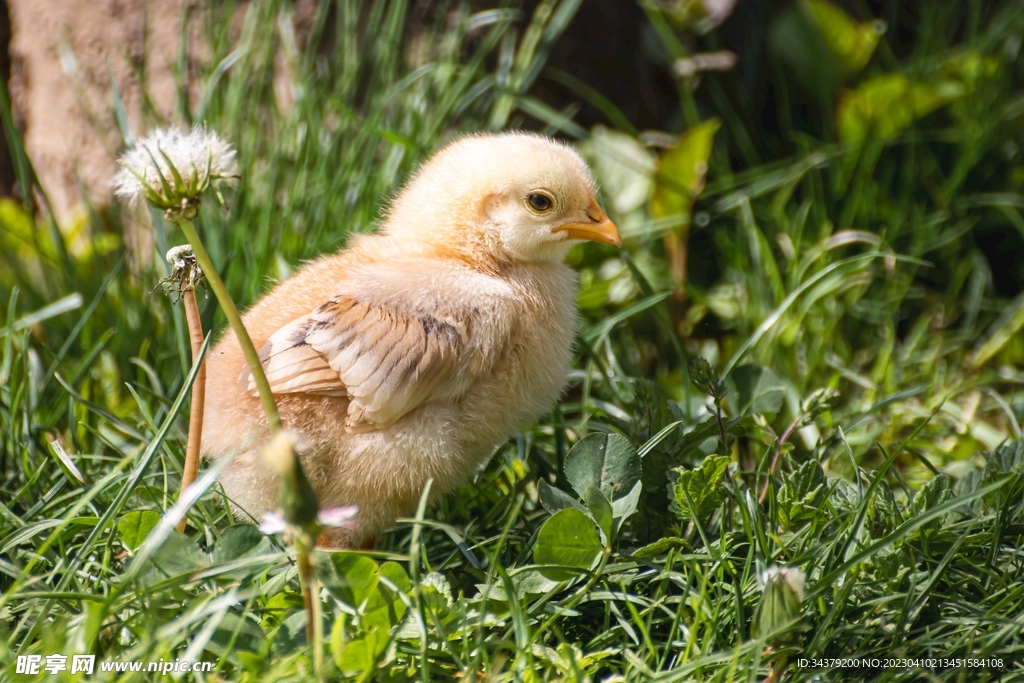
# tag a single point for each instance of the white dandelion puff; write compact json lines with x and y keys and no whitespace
{"x":170,"y":168}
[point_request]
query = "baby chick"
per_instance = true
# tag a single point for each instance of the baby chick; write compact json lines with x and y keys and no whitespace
{"x":418,"y":350}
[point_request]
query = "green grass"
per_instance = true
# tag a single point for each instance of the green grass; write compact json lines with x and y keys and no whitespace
{"x":828,"y":252}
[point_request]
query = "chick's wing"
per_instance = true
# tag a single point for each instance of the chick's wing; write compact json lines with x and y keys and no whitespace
{"x":386,"y":360}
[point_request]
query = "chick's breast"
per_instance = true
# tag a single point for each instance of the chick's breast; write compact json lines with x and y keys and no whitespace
{"x":513,"y":328}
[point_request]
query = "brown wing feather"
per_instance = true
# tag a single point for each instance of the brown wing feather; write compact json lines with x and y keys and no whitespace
{"x":387,"y":361}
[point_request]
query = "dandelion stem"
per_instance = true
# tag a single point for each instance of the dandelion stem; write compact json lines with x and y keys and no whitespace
{"x":311,"y":600}
{"x":235,"y":320}
{"x":195,"y":418}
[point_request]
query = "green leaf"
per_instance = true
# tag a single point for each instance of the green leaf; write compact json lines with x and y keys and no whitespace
{"x":703,"y":487}
{"x":935,"y":492}
{"x":623,"y":166}
{"x":660,"y":547}
{"x":360,"y":654}
{"x":356,"y":581}
{"x":385,"y":608}
{"x":754,"y":389}
{"x":238,"y":541}
{"x":134,"y":526}
{"x":177,"y":556}
{"x":234,"y":634}
{"x":802,"y":493}
{"x":884,"y":106}
{"x":682,"y":171}
{"x":553,"y":499}
{"x":354,"y":577}
{"x":600,"y":510}
{"x":850,"y":42}
{"x":279,"y":607}
{"x":436,"y":592}
{"x":531,"y":582}
{"x":1007,"y":458}
{"x":626,"y":506}
{"x":568,"y":539}
{"x":607,"y":461}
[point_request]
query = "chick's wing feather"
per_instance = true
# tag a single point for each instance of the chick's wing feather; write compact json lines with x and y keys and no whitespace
{"x":386,"y":360}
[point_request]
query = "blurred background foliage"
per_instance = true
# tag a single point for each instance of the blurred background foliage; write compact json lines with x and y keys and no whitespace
{"x":829,"y":190}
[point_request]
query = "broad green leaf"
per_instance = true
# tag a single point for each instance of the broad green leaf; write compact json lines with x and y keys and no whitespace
{"x":754,"y":389}
{"x":134,"y":526}
{"x":702,"y":486}
{"x":1008,"y":458}
{"x":531,"y":582}
{"x":436,"y":592}
{"x":935,"y":492}
{"x":850,"y":42}
{"x":884,"y":106}
{"x":569,"y":538}
{"x":238,"y":541}
{"x":682,"y":171}
{"x":607,"y":461}
{"x":600,"y":510}
{"x":177,"y":556}
{"x":623,"y":167}
{"x":882,"y":514}
{"x":360,"y":654}
{"x":278,"y":607}
{"x":802,"y":493}
{"x":554,"y":499}
{"x":626,"y":506}
{"x":235,"y":633}
{"x":385,"y":607}
{"x":354,"y":579}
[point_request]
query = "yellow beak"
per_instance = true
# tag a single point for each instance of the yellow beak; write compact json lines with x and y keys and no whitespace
{"x":599,"y":228}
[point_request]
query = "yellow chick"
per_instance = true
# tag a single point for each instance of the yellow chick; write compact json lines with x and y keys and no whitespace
{"x":418,"y":350}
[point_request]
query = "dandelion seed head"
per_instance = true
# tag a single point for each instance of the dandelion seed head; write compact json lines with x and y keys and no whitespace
{"x":200,"y":155}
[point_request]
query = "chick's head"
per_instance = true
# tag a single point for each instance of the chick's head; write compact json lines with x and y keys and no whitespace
{"x":510,"y":196}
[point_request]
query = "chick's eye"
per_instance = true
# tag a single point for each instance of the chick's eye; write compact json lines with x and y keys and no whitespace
{"x":539,"y":202}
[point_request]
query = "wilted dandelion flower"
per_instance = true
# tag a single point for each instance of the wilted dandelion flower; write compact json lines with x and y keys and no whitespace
{"x":171,"y":168}
{"x":186,"y":274}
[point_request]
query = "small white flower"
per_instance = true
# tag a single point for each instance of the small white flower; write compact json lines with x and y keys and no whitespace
{"x":338,"y":517}
{"x":272,"y":523}
{"x":170,"y":167}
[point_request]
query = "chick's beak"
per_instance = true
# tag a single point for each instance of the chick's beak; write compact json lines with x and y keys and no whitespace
{"x":598,"y":228}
